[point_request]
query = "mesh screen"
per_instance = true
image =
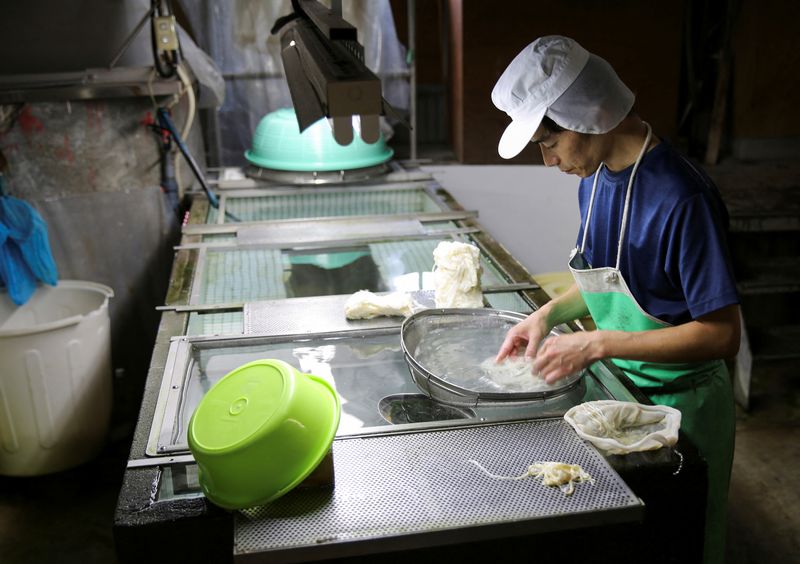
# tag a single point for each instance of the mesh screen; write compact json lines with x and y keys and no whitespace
{"x":225,"y":323}
{"x":327,"y":204}
{"x":242,"y":275}
{"x":405,"y":484}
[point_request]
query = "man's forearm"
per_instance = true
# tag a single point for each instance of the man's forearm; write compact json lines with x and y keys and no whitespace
{"x":567,"y":307}
{"x":711,"y":337}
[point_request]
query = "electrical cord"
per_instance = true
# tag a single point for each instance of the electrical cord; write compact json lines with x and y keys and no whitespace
{"x":187,"y":126}
{"x":166,"y":123}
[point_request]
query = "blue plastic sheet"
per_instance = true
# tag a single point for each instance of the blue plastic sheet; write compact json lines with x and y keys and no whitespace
{"x":25,"y":254}
{"x":14,"y":271}
{"x":28,"y":230}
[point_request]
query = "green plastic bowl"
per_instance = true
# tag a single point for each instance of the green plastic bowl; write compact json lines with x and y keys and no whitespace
{"x":279,"y":145}
{"x":260,"y":431}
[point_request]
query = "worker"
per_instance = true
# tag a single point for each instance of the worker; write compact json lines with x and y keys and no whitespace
{"x":651,"y":263}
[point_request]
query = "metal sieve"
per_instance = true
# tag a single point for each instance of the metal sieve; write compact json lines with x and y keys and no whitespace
{"x":450,"y":354}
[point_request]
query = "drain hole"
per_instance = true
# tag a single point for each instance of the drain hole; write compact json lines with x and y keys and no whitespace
{"x":417,"y":408}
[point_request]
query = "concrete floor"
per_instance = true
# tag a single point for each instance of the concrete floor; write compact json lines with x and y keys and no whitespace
{"x":67,"y":517}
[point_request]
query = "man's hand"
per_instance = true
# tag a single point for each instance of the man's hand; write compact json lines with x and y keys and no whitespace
{"x":563,"y":355}
{"x":528,"y":333}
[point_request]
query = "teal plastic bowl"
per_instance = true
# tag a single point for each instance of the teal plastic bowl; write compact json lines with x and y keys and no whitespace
{"x":279,"y":145}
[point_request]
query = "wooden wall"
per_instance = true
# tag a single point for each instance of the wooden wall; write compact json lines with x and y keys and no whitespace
{"x":766,"y":70}
{"x":466,"y":44}
{"x":642,"y":43}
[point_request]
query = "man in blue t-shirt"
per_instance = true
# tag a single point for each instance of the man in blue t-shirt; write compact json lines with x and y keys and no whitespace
{"x":651,"y":264}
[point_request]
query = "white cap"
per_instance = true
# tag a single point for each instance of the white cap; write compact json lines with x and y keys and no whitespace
{"x":556,"y":77}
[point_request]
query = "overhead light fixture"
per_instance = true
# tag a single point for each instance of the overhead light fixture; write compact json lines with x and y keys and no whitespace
{"x":325,"y":70}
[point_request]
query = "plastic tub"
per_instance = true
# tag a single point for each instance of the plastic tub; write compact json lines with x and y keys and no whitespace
{"x":279,"y":145}
{"x":55,"y":385}
{"x":260,"y":431}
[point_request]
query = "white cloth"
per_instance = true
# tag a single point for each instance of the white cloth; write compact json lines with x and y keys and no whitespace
{"x":555,"y":76}
{"x":619,"y":427}
{"x":457,"y":275}
{"x":366,"y":305}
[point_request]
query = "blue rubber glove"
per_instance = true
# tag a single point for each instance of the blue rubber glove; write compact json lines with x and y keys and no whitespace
{"x":28,"y":231}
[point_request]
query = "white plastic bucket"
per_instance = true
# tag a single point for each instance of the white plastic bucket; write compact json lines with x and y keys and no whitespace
{"x":55,"y":378}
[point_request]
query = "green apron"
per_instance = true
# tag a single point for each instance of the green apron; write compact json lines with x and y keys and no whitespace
{"x":700,"y":391}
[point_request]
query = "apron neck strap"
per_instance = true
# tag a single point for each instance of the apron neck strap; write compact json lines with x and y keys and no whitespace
{"x":623,"y":227}
{"x":591,"y":207}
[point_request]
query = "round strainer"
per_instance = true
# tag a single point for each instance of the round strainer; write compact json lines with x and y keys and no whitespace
{"x":451,"y":352}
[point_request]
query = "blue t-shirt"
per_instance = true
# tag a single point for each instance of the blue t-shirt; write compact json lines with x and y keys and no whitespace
{"x":675,"y":257}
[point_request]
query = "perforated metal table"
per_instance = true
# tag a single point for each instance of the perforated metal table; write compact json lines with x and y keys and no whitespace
{"x":421,"y":489}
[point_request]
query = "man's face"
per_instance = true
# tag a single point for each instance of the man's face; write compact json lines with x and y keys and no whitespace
{"x":573,"y":153}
